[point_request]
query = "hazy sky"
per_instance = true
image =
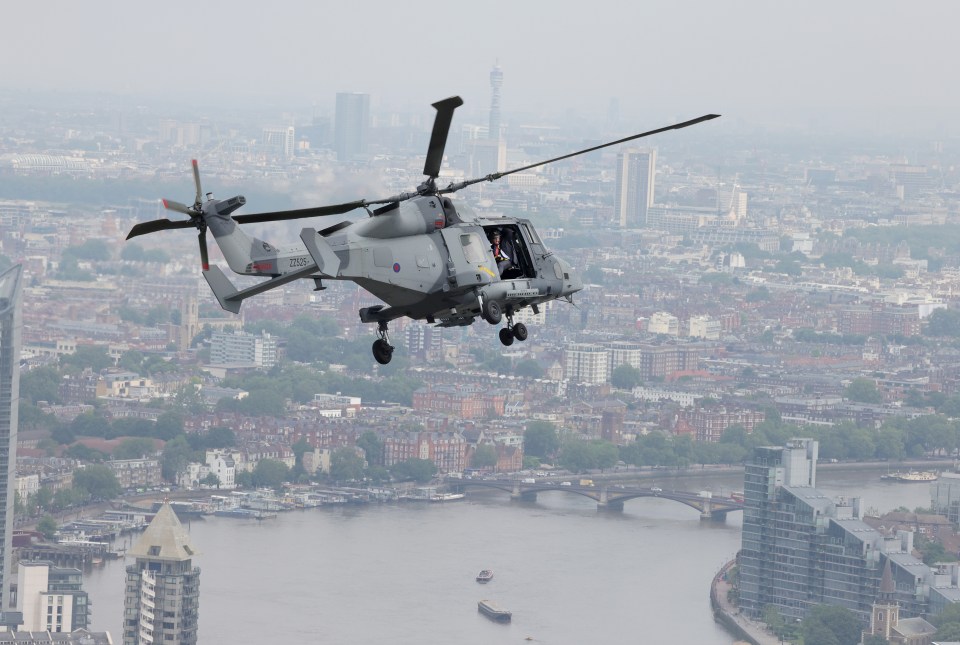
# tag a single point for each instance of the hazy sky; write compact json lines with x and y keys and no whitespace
{"x":752,"y":60}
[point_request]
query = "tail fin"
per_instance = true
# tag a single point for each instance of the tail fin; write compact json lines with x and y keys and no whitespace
{"x":223,"y":289}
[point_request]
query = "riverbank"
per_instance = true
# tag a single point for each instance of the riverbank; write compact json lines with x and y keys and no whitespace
{"x":728,"y":615}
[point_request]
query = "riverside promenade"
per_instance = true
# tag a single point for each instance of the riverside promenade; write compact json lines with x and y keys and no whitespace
{"x":728,"y":615}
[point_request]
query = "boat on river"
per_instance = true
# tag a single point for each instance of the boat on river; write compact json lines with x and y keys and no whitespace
{"x":493,"y":611}
{"x":447,"y":497}
{"x":912,"y":477}
{"x":244,"y":513}
{"x":485,"y":576}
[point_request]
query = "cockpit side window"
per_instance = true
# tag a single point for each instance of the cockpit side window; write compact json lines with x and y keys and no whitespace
{"x":474,"y":248}
{"x":531,"y":234}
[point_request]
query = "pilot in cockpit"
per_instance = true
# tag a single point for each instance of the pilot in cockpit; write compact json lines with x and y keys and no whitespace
{"x":502,"y":251}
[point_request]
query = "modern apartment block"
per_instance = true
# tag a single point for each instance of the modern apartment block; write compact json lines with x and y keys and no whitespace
{"x":51,"y":598}
{"x":801,"y":549}
{"x":945,"y":496}
{"x":243,"y":349}
{"x":10,"y":335}
{"x":586,"y":363}
{"x":162,"y":599}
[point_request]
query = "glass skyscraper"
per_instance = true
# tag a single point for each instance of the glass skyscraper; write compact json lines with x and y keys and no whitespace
{"x":351,"y":123}
{"x":636,"y":171}
{"x":10,"y":330}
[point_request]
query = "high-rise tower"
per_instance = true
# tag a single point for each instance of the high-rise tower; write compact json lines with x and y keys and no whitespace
{"x":10,"y":330}
{"x":351,"y":122}
{"x":162,"y":600}
{"x":636,"y":170}
{"x":496,"y":82}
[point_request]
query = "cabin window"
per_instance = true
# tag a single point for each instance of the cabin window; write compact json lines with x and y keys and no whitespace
{"x":474,"y":248}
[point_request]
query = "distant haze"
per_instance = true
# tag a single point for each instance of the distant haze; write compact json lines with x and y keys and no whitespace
{"x":769,"y":63}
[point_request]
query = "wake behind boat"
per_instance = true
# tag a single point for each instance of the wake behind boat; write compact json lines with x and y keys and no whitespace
{"x":912,"y":477}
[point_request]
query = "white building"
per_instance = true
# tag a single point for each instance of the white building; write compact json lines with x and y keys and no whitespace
{"x":50,"y":598}
{"x":704,"y":327}
{"x":241,"y":348}
{"x":662,"y":322}
{"x":686,"y":399}
{"x":586,"y":363}
{"x":624,"y":353}
{"x":317,"y":459}
{"x":27,"y":485}
{"x":279,"y":140}
{"x":223,"y":466}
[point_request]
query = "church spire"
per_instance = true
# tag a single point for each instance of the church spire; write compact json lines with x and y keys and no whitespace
{"x":887,"y":587}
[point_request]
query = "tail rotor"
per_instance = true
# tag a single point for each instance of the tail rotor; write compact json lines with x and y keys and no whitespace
{"x":195,"y":213}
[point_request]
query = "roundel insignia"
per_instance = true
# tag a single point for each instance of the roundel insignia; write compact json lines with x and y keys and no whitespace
{"x":396,"y":267}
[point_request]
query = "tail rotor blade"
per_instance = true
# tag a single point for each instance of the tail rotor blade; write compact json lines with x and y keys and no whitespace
{"x":438,"y":138}
{"x":196,"y":179}
{"x":171,"y":205}
{"x":202,"y":239}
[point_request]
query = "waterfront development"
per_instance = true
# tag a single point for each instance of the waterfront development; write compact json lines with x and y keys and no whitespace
{"x":405,"y":573}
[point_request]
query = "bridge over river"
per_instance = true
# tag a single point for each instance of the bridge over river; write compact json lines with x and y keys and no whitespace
{"x":607,"y":497}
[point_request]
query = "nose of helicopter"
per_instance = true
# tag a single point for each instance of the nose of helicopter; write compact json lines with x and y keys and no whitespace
{"x":572,"y":282}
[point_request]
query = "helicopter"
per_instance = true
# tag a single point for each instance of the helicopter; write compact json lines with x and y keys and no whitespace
{"x":417,"y":252}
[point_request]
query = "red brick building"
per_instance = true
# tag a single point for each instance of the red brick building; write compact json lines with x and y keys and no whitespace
{"x":447,"y":450}
{"x":709,"y":423}
{"x":460,"y":401}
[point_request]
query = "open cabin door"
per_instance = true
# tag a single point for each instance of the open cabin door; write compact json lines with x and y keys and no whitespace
{"x":469,"y":261}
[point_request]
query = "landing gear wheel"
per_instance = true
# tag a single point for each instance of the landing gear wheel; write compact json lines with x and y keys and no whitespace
{"x":382,"y":351}
{"x":520,"y":332}
{"x":506,"y":336}
{"x":492,"y":312}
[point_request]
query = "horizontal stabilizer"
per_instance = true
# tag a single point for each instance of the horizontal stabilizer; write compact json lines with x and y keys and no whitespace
{"x":230,"y":298}
{"x":328,"y":264}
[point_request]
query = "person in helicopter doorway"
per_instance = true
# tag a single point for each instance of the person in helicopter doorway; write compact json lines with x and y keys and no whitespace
{"x":502,"y":251}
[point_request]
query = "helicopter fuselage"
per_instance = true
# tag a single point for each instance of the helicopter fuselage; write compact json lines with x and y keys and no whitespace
{"x":420,"y":256}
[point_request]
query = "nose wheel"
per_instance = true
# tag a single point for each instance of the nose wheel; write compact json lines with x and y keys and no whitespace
{"x":513,"y":332}
{"x":382,"y":349}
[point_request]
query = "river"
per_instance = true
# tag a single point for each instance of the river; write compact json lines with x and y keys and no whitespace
{"x":404,"y":574}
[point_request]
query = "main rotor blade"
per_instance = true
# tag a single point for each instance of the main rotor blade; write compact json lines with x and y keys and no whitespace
{"x":318,"y":211}
{"x":158,"y":225}
{"x":196,"y":179}
{"x":202,"y":239}
{"x":497,"y":175}
{"x":438,"y":138}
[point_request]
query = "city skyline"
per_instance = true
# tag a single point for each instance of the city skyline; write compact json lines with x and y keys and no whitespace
{"x":768,"y":284}
{"x":860,"y":64}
